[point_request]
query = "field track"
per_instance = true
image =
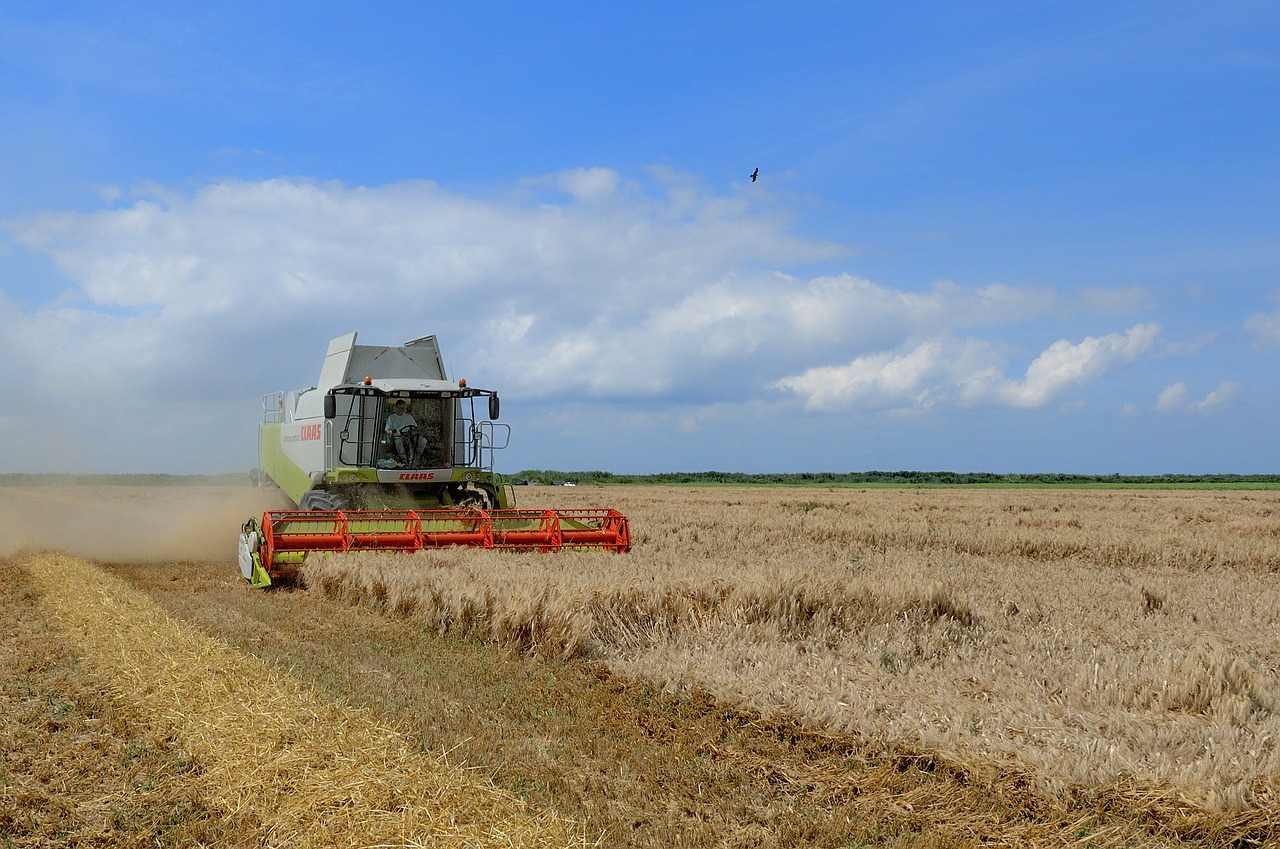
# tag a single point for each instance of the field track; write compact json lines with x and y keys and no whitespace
{"x":292,"y":768}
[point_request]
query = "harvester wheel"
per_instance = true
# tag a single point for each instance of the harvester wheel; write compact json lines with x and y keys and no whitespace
{"x":472,"y":497}
{"x":319,"y":499}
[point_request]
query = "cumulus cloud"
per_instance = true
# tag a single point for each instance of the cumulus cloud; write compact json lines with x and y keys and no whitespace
{"x":1059,"y":367}
{"x":1191,"y":346}
{"x":1171,"y":397}
{"x":966,"y":372}
{"x":880,"y":379}
{"x":588,"y":184}
{"x":582,"y":285}
{"x":917,"y":376}
{"x":1175,"y":397}
{"x":1225,"y":392}
{"x":1265,"y":329}
{"x":315,"y":242}
{"x":258,"y":260}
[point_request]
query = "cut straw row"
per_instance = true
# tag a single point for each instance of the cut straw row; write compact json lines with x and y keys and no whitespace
{"x":292,"y":768}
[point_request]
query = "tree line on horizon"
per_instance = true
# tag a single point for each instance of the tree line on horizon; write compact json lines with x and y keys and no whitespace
{"x":551,"y":477}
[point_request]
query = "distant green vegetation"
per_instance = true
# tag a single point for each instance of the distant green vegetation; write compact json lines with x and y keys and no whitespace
{"x":551,"y":477}
{"x":548,"y":477}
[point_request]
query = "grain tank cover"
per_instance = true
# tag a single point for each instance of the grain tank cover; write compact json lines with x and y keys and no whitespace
{"x":348,"y":363}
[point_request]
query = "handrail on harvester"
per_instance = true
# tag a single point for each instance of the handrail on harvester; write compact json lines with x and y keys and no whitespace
{"x":287,"y":536}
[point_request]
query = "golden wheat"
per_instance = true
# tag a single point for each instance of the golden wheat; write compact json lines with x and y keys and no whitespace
{"x":1095,"y":639}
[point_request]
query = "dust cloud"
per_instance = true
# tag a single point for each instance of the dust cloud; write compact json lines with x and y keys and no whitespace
{"x":135,"y":524}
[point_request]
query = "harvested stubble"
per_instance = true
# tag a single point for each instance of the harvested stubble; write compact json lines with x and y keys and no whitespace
{"x":73,"y":771}
{"x":1118,"y":645}
{"x":291,"y":768}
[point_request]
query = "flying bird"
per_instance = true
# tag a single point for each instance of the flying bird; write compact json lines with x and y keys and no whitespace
{"x":754,"y":174}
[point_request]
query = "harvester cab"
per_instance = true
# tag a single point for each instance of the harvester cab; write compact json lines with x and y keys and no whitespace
{"x":386,"y":453}
{"x":383,"y":427}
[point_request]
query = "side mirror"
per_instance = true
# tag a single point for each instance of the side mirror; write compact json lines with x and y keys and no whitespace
{"x":493,"y":407}
{"x":330,"y":406}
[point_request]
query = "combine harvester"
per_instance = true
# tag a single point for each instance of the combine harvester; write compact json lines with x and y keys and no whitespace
{"x":386,"y":454}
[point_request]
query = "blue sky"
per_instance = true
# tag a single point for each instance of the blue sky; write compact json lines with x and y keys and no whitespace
{"x":1008,"y":237}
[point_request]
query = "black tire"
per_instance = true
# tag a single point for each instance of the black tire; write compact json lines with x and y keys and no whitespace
{"x":319,"y":499}
{"x":471,"y":496}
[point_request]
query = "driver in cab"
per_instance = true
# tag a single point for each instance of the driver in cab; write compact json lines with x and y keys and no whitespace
{"x":397,"y":421}
{"x":400,"y":419}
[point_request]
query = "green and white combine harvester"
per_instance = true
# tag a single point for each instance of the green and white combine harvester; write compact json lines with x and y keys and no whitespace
{"x":386,"y":453}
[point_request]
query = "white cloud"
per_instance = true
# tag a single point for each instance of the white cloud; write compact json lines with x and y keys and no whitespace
{"x":576,"y":286}
{"x":1191,"y":346}
{"x":589,"y":184}
{"x":608,"y":288}
{"x":1175,"y":397}
{"x":1172,"y":397}
{"x":1061,"y":366}
{"x":879,"y":379}
{"x":966,"y":372}
{"x":1265,"y":328}
{"x":1217,"y":397}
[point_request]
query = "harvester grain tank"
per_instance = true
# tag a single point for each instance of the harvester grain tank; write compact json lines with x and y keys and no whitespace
{"x":385,"y":453}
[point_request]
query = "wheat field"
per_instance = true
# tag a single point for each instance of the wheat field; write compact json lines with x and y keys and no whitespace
{"x":1123,"y":643}
{"x":769,"y":667}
